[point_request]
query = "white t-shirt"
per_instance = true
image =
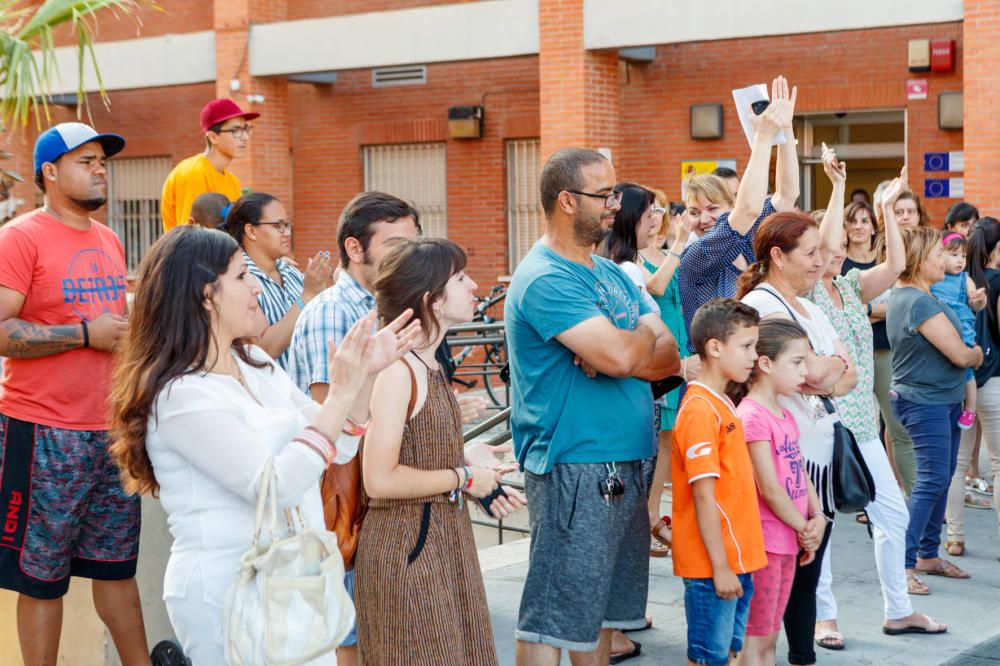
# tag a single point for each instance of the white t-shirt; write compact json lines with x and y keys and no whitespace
{"x":815,"y":424}
{"x":634,"y":273}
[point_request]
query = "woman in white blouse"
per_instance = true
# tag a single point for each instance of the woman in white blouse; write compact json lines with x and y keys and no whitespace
{"x":198,"y":412}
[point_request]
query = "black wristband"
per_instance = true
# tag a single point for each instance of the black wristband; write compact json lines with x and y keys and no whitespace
{"x":86,"y":334}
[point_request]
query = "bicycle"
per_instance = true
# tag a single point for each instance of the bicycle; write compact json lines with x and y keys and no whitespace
{"x":486,"y":331}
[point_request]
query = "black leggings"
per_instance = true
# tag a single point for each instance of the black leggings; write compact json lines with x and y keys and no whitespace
{"x":800,"y":614}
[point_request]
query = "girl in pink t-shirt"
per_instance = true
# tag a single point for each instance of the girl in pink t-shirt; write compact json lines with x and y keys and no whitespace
{"x":789,"y":507}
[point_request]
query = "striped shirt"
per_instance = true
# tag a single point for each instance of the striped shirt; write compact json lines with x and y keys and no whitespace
{"x":707,"y":269}
{"x":277,"y":299}
{"x":329,"y":316}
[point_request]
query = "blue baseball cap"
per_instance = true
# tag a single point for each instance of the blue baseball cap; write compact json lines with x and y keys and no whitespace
{"x":56,"y":141}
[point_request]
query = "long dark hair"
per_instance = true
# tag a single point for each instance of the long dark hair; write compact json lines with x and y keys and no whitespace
{"x":853,"y":209}
{"x":411,"y":269}
{"x":621,"y":243}
{"x":983,"y":238}
{"x":169,"y":335}
{"x":247,"y":210}
{"x":779,"y":230}
{"x":773,"y":336}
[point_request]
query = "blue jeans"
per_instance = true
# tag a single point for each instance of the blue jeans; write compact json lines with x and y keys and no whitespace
{"x":935,"y":435}
{"x":716,"y":626}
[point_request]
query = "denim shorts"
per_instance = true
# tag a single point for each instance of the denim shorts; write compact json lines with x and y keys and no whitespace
{"x":715,"y":626}
{"x":588,"y":566}
{"x":352,"y":637}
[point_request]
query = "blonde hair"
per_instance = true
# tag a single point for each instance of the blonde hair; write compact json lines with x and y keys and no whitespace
{"x":660,"y":197}
{"x":710,"y":186}
{"x":918,"y":241}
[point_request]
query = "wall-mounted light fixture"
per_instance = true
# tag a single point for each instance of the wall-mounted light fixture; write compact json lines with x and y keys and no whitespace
{"x":950,"y":105}
{"x":465,"y":122}
{"x":706,"y":121}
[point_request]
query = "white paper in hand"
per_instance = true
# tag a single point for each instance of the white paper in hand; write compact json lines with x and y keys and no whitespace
{"x":744,"y":97}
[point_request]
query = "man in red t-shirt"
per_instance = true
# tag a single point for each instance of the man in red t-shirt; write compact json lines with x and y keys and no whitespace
{"x":62,"y":312}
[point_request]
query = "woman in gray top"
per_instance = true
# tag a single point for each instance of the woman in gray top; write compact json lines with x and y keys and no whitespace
{"x":928,"y":374}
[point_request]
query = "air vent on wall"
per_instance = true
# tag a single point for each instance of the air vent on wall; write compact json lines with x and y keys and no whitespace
{"x":408,"y":75}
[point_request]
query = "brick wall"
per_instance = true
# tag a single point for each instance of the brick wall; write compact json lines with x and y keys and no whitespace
{"x":178,"y":16}
{"x":840,"y":71}
{"x":982,"y":129}
{"x":330,"y":125}
{"x":306,"y":9}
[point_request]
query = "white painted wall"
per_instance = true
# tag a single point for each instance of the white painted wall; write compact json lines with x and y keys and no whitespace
{"x":621,"y":23}
{"x":146,"y":62}
{"x":468,"y":31}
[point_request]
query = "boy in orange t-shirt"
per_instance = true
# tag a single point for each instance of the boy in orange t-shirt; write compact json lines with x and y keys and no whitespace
{"x":717,"y":537}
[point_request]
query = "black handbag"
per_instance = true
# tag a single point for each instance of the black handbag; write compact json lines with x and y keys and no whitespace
{"x":853,"y":486}
{"x":991,"y":355}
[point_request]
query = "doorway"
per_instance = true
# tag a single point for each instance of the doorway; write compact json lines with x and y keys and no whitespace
{"x":873,"y":143}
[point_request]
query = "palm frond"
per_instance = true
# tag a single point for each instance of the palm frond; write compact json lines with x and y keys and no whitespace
{"x":27,"y":51}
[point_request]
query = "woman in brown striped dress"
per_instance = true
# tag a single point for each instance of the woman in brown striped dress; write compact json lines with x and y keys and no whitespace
{"x":419,"y":592}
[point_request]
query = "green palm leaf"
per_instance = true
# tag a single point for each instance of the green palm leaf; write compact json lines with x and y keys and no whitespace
{"x":27,"y":50}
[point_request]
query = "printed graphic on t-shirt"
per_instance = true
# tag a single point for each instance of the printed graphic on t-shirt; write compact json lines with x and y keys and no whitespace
{"x":616,"y":305}
{"x":795,"y":483}
{"x":94,"y":282}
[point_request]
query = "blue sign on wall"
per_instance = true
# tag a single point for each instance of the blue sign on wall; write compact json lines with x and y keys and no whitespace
{"x":937,"y":188}
{"x":953,"y":161}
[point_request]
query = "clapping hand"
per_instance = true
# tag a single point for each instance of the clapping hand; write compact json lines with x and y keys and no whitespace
{"x":394,"y":341}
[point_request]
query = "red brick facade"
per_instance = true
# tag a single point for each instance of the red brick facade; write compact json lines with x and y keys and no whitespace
{"x":307,"y":146}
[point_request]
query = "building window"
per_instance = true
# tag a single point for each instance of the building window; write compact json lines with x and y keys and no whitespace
{"x":416,"y":173}
{"x":134,"y":188}
{"x":524,"y":201}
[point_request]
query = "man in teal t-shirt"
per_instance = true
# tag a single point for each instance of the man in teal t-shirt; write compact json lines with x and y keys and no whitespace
{"x":581,"y":439}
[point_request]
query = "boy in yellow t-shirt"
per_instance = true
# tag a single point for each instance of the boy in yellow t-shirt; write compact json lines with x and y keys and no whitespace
{"x":227,"y":133}
{"x":717,"y":536}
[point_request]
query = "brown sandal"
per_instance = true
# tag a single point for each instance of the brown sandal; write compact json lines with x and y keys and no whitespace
{"x":943,"y":568}
{"x":662,"y":524}
{"x":916,"y":586}
{"x":955,"y":548}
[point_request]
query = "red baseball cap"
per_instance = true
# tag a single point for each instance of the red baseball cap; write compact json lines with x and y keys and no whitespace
{"x":220,"y":110}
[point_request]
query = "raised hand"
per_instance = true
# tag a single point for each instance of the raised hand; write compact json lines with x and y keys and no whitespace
{"x":393,"y":341}
{"x":779,"y":112}
{"x":350,"y":362}
{"x":891,"y":193}
{"x":835,"y":171}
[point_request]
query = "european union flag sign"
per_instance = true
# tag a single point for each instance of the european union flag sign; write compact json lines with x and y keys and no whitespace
{"x":937,"y":188}
{"x":953,"y":161}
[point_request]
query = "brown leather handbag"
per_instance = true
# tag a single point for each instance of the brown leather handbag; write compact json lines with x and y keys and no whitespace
{"x":344,"y":497}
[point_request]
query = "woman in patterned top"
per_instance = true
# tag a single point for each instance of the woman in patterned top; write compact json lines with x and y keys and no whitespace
{"x":843,"y":299}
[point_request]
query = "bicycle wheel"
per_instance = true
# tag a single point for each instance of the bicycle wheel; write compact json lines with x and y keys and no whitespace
{"x":496,"y":389}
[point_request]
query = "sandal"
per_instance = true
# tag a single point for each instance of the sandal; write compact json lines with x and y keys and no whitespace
{"x":648,"y":625}
{"x":861,"y":518}
{"x":657,"y":549}
{"x":979,"y":486}
{"x":955,"y":548}
{"x":943,"y":568}
{"x":657,"y":531}
{"x":974,"y":501}
{"x":916,"y":586}
{"x":625,"y":656}
{"x":830,"y":639}
{"x":933,"y":627}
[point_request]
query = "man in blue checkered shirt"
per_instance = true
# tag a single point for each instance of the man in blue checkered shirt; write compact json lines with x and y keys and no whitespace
{"x":370,"y":222}
{"x":710,"y":266}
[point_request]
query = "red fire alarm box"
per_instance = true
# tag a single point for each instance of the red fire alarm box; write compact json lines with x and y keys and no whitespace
{"x":943,"y":55}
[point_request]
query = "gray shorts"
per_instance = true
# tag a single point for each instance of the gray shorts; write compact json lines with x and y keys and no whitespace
{"x":589,"y":561}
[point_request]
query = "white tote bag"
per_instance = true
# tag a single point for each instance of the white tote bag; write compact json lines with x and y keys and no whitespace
{"x":288,"y":605}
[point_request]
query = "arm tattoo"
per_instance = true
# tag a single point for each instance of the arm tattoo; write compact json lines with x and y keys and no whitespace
{"x":25,"y":339}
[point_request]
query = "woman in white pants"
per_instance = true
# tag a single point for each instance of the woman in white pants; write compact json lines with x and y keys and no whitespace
{"x":843,"y":299}
{"x":982,"y":263}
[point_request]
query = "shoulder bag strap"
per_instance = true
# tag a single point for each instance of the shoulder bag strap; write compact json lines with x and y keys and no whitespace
{"x":780,"y":300}
{"x":413,"y":391}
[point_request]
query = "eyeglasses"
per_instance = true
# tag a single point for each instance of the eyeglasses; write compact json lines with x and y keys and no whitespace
{"x":281,"y":226}
{"x":657,"y":210}
{"x":240,"y":131}
{"x":610,"y":200}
